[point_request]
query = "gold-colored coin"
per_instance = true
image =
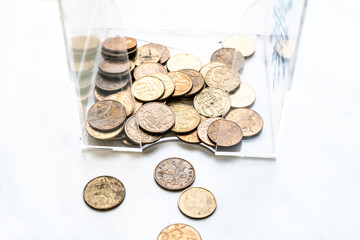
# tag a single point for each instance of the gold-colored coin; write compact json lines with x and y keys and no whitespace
{"x":179,"y":232}
{"x":209,"y":66}
{"x":286,"y":48}
{"x":223,"y":77}
{"x":197,"y":81}
{"x":186,"y":118}
{"x":212,"y":102}
{"x":136,"y":135}
{"x":229,"y":56}
{"x":244,"y":96}
{"x":225,"y":133}
{"x":148,"y":89}
{"x":183,"y":61}
{"x":197,"y":202}
{"x":183,"y":83}
{"x":102,"y":135}
{"x":243,"y":44}
{"x":147,"y":69}
{"x":202,"y":131}
{"x":146,"y":54}
{"x":104,"y":192}
{"x":125,"y":99}
{"x":191,"y":137}
{"x":169,"y":84}
{"x":251,"y":122}
{"x":164,"y":52}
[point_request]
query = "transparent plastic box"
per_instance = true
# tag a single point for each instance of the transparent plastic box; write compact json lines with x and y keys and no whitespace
{"x":198,"y":28}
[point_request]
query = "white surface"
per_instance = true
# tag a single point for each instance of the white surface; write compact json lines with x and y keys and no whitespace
{"x":312,"y":190}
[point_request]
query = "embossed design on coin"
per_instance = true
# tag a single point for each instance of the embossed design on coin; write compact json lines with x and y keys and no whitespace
{"x":155,"y":117}
{"x":202,"y":131}
{"x":183,"y":61}
{"x":106,"y":115}
{"x":179,"y":232}
{"x":102,"y":135}
{"x":197,"y":81}
{"x":169,"y":84}
{"x":164,"y":52}
{"x":186,"y":118}
{"x":174,"y":174}
{"x":243,"y":44}
{"x":251,"y":122}
{"x":104,"y":192}
{"x":136,"y":135}
{"x":125,"y":99}
{"x":191,"y":137}
{"x":113,"y":69}
{"x":148,"y":89}
{"x":223,"y":77}
{"x":183,"y":83}
{"x":209,"y":66}
{"x":225,"y":133}
{"x":197,"y":202}
{"x":147,"y":69}
{"x":111,"y":85}
{"x":229,"y":56}
{"x":212,"y":102}
{"x":243,"y":97}
{"x":146,"y":54}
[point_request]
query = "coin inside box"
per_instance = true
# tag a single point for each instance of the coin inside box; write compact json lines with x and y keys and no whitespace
{"x":273,"y":26}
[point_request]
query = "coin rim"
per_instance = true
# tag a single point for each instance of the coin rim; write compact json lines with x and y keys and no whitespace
{"x":179,"y":224}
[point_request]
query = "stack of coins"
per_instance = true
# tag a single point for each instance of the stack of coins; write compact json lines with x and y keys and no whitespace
{"x":119,"y":48}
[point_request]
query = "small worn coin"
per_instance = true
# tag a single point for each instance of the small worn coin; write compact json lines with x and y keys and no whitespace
{"x":223,"y":77}
{"x":125,"y":99}
{"x":136,"y":135}
{"x":229,"y":56}
{"x":183,"y":61}
{"x":209,"y":66}
{"x":186,"y":118}
{"x":146,"y":54}
{"x":147,"y":69}
{"x":119,"y":44}
{"x":148,"y":88}
{"x":106,"y":115}
{"x":85,"y":43}
{"x":178,"y":232}
{"x":111,"y":85}
{"x":155,"y":117}
{"x":202,"y":131}
{"x":225,"y":133}
{"x":243,"y":44}
{"x":114,"y":69}
{"x":102,"y":135}
{"x":164,"y":51}
{"x":100,"y":95}
{"x":191,"y":137}
{"x":174,"y":173}
{"x":197,"y":202}
{"x":183,"y":83}
{"x":244,"y":96}
{"x":212,"y":102}
{"x":197,"y":81}
{"x":169,"y":84}
{"x":104,"y":192}
{"x":285,"y":48}
{"x":251,"y":122}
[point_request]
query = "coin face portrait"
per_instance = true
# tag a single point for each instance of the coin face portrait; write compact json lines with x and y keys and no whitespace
{"x":212,"y":102}
{"x":179,"y":232}
{"x":251,"y":122}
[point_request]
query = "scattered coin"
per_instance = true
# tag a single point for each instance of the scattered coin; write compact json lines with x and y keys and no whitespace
{"x":285,"y":48}
{"x":179,"y":232}
{"x":136,"y":135}
{"x":191,"y":137}
{"x":125,"y":99}
{"x":251,"y":122}
{"x":183,"y":83}
{"x":111,"y":85}
{"x":102,"y":135}
{"x":186,"y":118}
{"x":146,"y":54}
{"x":197,"y":81}
{"x":202,"y":131}
{"x":225,"y":133}
{"x":106,"y":115}
{"x":209,"y":66}
{"x":244,"y":96}
{"x":243,"y":44}
{"x":104,"y":192}
{"x":212,"y":102}
{"x":147,"y":69}
{"x":223,"y":77}
{"x":148,"y":89}
{"x":164,"y":52}
{"x":183,"y":61}
{"x":174,"y":173}
{"x":229,"y":56}
{"x":197,"y":202}
{"x":155,"y":117}
{"x":169,"y":84}
{"x":113,"y":69}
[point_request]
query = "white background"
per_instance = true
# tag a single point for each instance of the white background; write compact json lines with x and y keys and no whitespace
{"x":311,"y":191}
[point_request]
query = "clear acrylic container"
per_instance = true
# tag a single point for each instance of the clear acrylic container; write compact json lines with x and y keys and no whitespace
{"x":198,"y":28}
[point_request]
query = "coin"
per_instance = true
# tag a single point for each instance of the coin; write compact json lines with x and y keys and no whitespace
{"x":186,"y":118}
{"x":285,"y":48}
{"x":106,"y":115}
{"x":202,"y":131}
{"x":148,"y":89}
{"x":136,"y":135}
{"x":104,"y":192}
{"x":138,"y":105}
{"x":178,"y":232}
{"x":223,"y":77}
{"x":100,"y":95}
{"x":174,"y":173}
{"x":147,"y":69}
{"x":85,"y":43}
{"x":119,"y":44}
{"x":197,"y":81}
{"x":155,"y":117}
{"x":191,"y":137}
{"x":212,"y":102}
{"x":197,"y":202}
{"x":250,"y":121}
{"x":183,"y":61}
{"x":209,"y":66}
{"x":169,"y":84}
{"x":111,"y":85}
{"x":244,"y":96}
{"x":225,"y":133}
{"x":113,"y":69}
{"x":125,"y":99}
{"x":229,"y":56}
{"x":146,"y":54}
{"x":102,"y":135}
{"x":183,"y":83}
{"x":164,"y":52}
{"x":243,"y":44}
